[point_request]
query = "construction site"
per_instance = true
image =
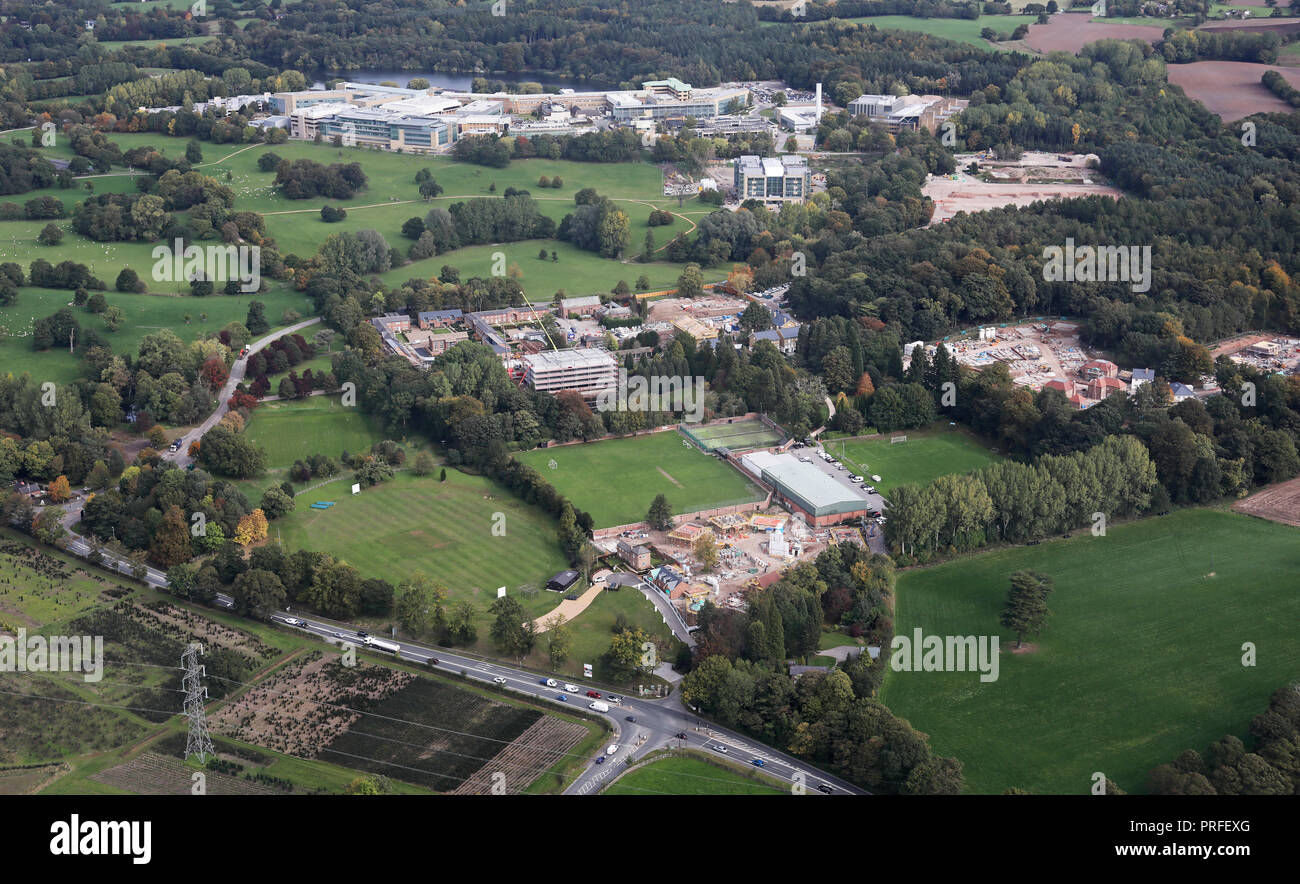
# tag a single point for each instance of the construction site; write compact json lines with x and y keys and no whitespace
{"x":983,"y":182}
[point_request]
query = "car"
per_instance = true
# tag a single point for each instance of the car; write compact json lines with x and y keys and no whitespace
{"x":292,"y":621}
{"x":681,"y":735}
{"x":572,"y":688}
{"x":824,"y":788}
{"x":433,"y":661}
{"x":611,"y":698}
{"x":613,"y":747}
{"x":339,"y":635}
{"x":571,"y":597}
{"x":562,"y":698}
{"x":595,"y":695}
{"x":500,"y":679}
{"x":871,"y":489}
{"x":542,"y":681}
{"x":720,"y":748}
{"x":552,"y":683}
{"x":855,"y":478}
{"x":600,"y":759}
{"x":758,"y":762}
{"x":361,"y":633}
{"x":632,"y":718}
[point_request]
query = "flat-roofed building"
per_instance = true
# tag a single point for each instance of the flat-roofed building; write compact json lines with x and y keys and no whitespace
{"x":772,"y":179}
{"x":898,"y":112}
{"x":804,"y":489}
{"x":587,"y":371}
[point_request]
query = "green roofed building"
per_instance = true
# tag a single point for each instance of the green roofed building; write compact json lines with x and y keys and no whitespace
{"x":803,"y":488}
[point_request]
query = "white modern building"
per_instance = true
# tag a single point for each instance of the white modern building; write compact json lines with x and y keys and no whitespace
{"x":588,"y":371}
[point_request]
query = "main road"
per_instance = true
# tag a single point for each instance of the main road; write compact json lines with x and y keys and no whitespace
{"x":640,"y":726}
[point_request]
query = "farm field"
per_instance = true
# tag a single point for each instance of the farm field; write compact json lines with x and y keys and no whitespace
{"x":925,"y":456}
{"x":1070,"y":33}
{"x":961,"y":30}
{"x":443,"y":530}
{"x":1140,"y":660}
{"x":37,"y":589}
{"x":616,"y":480}
{"x":1232,"y":89}
{"x":145,"y":314}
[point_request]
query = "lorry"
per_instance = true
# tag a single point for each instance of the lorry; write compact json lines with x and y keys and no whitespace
{"x":598,"y":706}
{"x":381,"y":644}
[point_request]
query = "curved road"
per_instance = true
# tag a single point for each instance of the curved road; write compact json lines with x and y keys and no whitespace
{"x":182,"y":457}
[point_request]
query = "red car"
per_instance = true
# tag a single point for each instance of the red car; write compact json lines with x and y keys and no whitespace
{"x":593,"y":695}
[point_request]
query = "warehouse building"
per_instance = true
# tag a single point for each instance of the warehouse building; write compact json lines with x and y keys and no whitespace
{"x":802,"y":488}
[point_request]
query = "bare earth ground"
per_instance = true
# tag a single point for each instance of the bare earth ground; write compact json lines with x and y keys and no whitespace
{"x":1232,"y":89}
{"x":973,"y":195}
{"x":569,"y":609}
{"x":1279,"y":503}
{"x":1239,"y":343}
{"x":1279,"y":25}
{"x":1071,"y":32}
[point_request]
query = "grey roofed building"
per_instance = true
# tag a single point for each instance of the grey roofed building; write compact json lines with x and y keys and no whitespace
{"x":808,"y":488}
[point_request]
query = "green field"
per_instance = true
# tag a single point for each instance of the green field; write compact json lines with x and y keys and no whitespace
{"x":391,"y":198}
{"x":925,"y":456}
{"x":1141,"y":658}
{"x":145,"y":314}
{"x":959,"y":29}
{"x":299,"y":428}
{"x":686,"y":775}
{"x":616,"y":480}
{"x":412,"y":525}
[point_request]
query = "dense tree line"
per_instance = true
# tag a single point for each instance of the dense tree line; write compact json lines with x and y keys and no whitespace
{"x":306,"y":179}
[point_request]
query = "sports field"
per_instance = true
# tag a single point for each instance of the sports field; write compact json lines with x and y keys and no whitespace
{"x":1141,"y":658}
{"x":925,"y":456}
{"x":411,"y":525}
{"x":738,"y":436}
{"x":299,"y":428}
{"x":692,"y":776}
{"x":616,"y":480}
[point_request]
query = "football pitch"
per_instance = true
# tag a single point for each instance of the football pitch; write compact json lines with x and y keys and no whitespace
{"x":616,"y":480}
{"x":924,"y":457}
{"x":1141,"y":659}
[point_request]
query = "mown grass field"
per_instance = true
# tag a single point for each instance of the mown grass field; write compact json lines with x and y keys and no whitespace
{"x":145,"y":314}
{"x":1141,"y":658}
{"x":412,"y":525}
{"x":925,"y":456}
{"x":686,"y":775}
{"x":298,"y":428}
{"x":616,"y":480}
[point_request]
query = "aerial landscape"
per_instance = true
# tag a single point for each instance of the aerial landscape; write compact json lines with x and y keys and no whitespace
{"x":685,"y":398}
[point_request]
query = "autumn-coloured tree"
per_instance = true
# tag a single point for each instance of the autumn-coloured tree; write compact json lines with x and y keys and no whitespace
{"x":59,"y":490}
{"x":242,"y":400}
{"x":194,"y":448}
{"x":171,"y":542}
{"x":865,"y":387}
{"x":215,"y":373}
{"x":251,"y":528}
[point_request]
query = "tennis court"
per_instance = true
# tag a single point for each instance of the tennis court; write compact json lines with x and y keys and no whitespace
{"x":738,"y":436}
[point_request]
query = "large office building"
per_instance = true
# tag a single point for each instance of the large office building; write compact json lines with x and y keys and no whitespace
{"x":899,"y":112}
{"x":773,"y":179}
{"x":672,"y":99}
{"x":587,"y":371}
